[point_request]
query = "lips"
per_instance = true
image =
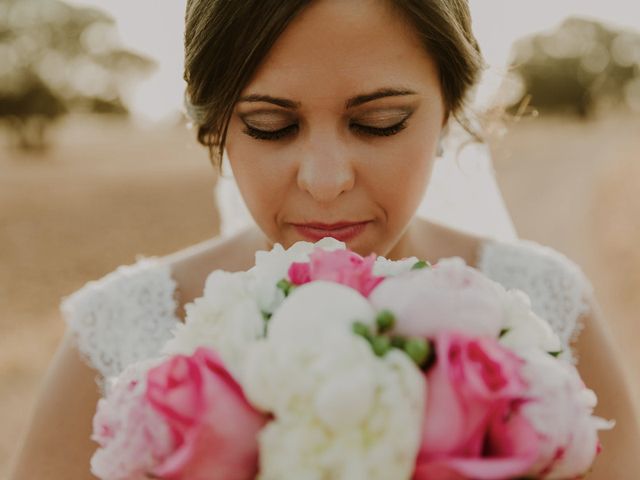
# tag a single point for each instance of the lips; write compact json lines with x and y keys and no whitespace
{"x":342,"y":231}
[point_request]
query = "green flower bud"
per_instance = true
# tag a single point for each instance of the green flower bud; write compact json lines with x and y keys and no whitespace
{"x":419,"y":350}
{"x":286,"y":286}
{"x":398,"y":342}
{"x":385,"y":321}
{"x":381,"y":345}
{"x":362,"y":329}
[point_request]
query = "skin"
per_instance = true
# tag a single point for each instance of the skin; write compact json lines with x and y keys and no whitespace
{"x":325,"y":172}
{"x":328,"y":169}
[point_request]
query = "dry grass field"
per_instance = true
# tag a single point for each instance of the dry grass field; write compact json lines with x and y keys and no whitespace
{"x":108,"y":192}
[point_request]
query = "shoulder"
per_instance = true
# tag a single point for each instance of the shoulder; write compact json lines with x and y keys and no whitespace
{"x":559,"y":290}
{"x":128,"y":314}
{"x":191,"y":266}
{"x":123,"y":317}
{"x":525,"y":259}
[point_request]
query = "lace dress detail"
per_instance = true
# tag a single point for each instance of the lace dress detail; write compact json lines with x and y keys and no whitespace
{"x":558,"y":289}
{"x":129,"y":314}
{"x":124,"y":317}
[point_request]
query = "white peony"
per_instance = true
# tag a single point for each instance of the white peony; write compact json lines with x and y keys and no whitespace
{"x":272,"y":266}
{"x":340,"y":411}
{"x":226,"y":318}
{"x":390,"y":268}
{"x":524,"y":328}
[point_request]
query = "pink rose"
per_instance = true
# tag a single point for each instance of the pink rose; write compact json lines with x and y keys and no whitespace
{"x":339,"y":266}
{"x":473,"y":425}
{"x":213,"y":425}
{"x":186,"y":418}
{"x":448,"y":296}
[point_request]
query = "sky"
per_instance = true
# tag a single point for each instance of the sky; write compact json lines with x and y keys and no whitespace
{"x":155,"y":28}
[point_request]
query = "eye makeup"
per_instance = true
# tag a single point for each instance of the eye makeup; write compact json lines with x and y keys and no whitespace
{"x":382,"y":122}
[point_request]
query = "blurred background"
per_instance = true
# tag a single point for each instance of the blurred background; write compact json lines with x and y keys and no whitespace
{"x":98,"y":164}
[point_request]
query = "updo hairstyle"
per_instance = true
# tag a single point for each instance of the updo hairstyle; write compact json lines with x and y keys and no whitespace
{"x":226,"y":41}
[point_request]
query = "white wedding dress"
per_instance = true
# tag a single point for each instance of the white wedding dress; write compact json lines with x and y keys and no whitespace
{"x":128,"y":315}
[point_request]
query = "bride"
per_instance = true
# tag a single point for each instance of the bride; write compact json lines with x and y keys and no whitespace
{"x":330,"y":114}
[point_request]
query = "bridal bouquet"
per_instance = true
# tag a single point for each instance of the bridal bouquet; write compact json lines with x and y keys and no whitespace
{"x":320,"y":364}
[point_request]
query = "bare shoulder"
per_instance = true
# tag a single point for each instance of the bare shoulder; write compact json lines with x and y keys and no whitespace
{"x":603,"y":369}
{"x":64,"y":410}
{"x":191,"y":266}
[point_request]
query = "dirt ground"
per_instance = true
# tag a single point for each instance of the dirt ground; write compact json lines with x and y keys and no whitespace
{"x":108,"y":192}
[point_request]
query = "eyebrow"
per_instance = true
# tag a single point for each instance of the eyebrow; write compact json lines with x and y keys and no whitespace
{"x":351,"y":103}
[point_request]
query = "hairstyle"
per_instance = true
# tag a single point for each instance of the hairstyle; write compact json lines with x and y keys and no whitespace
{"x":226,"y":41}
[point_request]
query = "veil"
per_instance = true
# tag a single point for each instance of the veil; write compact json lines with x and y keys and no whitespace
{"x":462,"y":193}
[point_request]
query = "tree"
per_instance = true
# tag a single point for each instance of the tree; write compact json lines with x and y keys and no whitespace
{"x":54,"y":59}
{"x":578,"y":66}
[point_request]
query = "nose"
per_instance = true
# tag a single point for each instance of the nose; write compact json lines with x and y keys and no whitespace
{"x":325,"y":170}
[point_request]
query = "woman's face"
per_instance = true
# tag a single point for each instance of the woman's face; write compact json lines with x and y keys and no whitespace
{"x":336,"y":133}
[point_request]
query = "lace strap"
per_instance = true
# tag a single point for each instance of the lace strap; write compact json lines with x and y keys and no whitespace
{"x":124,"y":317}
{"x":558,"y":289}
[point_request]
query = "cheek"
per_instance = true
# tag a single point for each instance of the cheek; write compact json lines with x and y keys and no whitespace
{"x":402,"y":177}
{"x":262,"y":180}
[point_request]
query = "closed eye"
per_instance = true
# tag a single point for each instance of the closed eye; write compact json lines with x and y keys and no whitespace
{"x":272,"y":135}
{"x":378,"y":131}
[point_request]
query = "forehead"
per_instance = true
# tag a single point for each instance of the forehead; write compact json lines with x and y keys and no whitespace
{"x":338,"y":46}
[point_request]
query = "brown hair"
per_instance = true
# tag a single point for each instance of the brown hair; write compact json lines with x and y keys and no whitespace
{"x":226,"y":41}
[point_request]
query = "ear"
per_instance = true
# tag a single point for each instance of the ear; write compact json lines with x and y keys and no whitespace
{"x":443,"y":135}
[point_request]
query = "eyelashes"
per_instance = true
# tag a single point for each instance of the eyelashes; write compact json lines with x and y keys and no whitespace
{"x":293,"y":128}
{"x":270,"y":135}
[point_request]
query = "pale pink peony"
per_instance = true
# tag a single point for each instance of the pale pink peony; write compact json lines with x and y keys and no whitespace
{"x":473,"y":424}
{"x":190,"y":421}
{"x":339,"y":266}
{"x":448,"y":296}
{"x":562,"y":412}
{"x":132,"y":436}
